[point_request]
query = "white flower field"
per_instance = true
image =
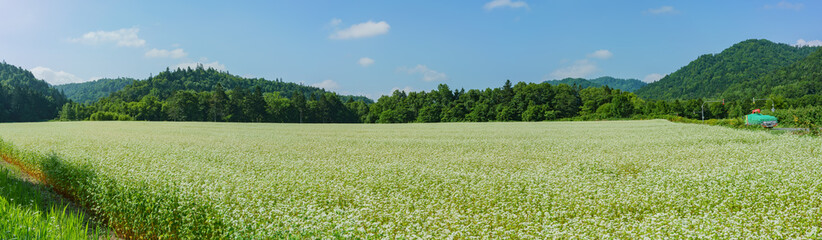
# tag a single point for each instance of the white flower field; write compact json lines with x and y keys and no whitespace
{"x":610,"y":179}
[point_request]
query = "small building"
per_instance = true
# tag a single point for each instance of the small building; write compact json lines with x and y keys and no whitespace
{"x":757,"y":118}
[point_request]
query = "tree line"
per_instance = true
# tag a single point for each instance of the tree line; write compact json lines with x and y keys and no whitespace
{"x":184,"y":95}
{"x":519,"y":102}
{"x":219,"y":105}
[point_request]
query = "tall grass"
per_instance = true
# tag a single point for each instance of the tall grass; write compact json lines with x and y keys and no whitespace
{"x":21,"y":216}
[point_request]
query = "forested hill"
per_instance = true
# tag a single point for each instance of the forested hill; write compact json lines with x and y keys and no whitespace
{"x":628,"y":85}
{"x":579,"y":82}
{"x":209,"y":95}
{"x":737,"y":68}
{"x":25,"y":98}
{"x":166,"y":83}
{"x":88,"y":92}
{"x":800,"y":79}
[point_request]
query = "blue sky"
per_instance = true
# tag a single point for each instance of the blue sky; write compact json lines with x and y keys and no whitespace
{"x":371,"y":48}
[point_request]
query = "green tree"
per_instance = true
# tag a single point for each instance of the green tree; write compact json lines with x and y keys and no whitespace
{"x":219,"y":100}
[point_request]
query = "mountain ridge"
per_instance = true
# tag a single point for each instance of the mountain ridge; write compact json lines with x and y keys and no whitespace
{"x":628,"y":85}
{"x":713,"y":75}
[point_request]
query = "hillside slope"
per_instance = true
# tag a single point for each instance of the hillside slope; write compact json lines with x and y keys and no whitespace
{"x":24,"y":98}
{"x":88,"y":92}
{"x":164,"y":84}
{"x":801,"y":78}
{"x":712,"y":75}
{"x":628,"y":85}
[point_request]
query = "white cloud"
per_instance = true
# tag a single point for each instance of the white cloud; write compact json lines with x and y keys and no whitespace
{"x":365,"y":62}
{"x":55,"y":77}
{"x":786,"y":5}
{"x":335,"y":22}
{"x":193,"y":65}
{"x":811,"y":43}
{"x":428,"y":75}
{"x":362,"y":30}
{"x":126,"y":37}
{"x":601,"y":54}
{"x":162,"y":53}
{"x":505,"y":3}
{"x":328,"y":84}
{"x":653,"y":77}
{"x":579,"y":69}
{"x":661,"y":10}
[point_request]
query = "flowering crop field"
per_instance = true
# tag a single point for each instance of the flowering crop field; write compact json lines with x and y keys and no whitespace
{"x":614,"y":179}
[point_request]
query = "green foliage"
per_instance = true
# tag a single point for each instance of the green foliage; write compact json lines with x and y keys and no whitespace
{"x":524,"y":101}
{"x":24,"y":98}
{"x":627,"y":85}
{"x":809,"y":118}
{"x":166,"y":83}
{"x":802,"y":78}
{"x":89,"y":92}
{"x":735,"y":73}
{"x":109,"y":116}
{"x":184,"y":95}
{"x":788,"y":76}
{"x":576,"y":82}
{"x":21,"y":216}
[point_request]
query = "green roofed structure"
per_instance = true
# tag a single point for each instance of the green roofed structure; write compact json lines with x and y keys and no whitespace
{"x":757,"y":118}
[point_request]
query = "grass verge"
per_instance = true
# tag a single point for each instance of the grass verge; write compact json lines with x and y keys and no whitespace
{"x":28,"y":211}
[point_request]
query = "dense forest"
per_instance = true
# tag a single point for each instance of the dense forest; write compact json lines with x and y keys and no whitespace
{"x":789,"y":77}
{"x":802,"y":78}
{"x":23,"y":98}
{"x":209,"y":95}
{"x":628,"y":85}
{"x":735,"y":73}
{"x":88,"y":92}
{"x":538,"y":102}
{"x":166,"y":83}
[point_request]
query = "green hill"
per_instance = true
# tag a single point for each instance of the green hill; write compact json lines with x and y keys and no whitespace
{"x":738,"y":69}
{"x":164,"y":84}
{"x":799,"y":79}
{"x":24,"y":98}
{"x":628,"y":85}
{"x":88,"y":92}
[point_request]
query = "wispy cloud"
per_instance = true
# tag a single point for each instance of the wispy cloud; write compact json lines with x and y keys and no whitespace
{"x":661,"y":10}
{"x":428,"y":75}
{"x":580,"y":69}
{"x":215,"y":65}
{"x":601,"y":54}
{"x":56,"y":77}
{"x":811,"y":43}
{"x":162,"y":53}
{"x":327,"y":84}
{"x":505,"y":3}
{"x":126,"y":37}
{"x":365,"y":62}
{"x":653,"y":77}
{"x":361,"y":30}
{"x":335,"y":22}
{"x":786,"y":5}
